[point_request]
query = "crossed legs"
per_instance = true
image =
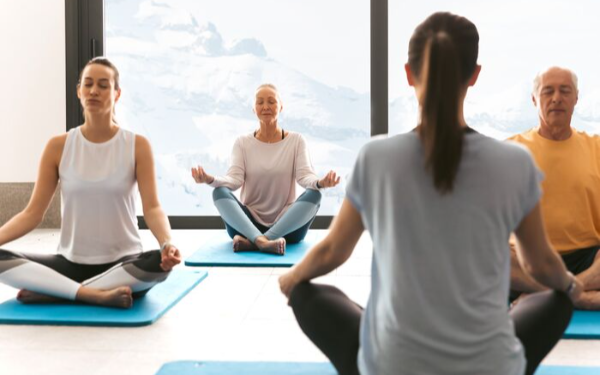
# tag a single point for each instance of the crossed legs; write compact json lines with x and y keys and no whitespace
{"x":51,"y":278}
{"x":249,"y":235}
{"x":332,"y":321}
{"x":586,"y":270}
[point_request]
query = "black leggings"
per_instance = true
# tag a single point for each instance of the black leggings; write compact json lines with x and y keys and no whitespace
{"x":331,"y":321}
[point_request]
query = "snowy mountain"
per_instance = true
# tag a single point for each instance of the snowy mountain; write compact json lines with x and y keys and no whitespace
{"x":190,"y":92}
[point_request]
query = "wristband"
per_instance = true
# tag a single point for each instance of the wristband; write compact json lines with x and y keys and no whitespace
{"x":165,"y":244}
{"x":572,"y":284}
{"x":318,"y":187}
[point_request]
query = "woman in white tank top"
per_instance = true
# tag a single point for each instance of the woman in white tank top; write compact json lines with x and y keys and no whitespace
{"x":100,"y":258}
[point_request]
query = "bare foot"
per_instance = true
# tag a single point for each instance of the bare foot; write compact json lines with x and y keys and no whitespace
{"x":117,"y":297}
{"x":242,"y":244}
{"x":276,"y":246}
{"x":588,"y":300}
{"x":27,"y":296}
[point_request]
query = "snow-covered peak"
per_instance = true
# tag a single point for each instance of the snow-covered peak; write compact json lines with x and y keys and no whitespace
{"x":247,"y":46}
{"x":161,"y":14}
{"x":179,"y":29}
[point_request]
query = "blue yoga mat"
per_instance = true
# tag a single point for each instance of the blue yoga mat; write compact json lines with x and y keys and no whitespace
{"x":308,"y":368}
{"x":584,"y":325}
{"x":567,"y":370}
{"x":145,"y":310}
{"x":218,"y":251}
{"x":246,"y":368}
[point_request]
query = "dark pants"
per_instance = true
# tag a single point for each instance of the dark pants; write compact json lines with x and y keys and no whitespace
{"x":580,"y":260}
{"x":331,"y":321}
{"x":576,"y":261}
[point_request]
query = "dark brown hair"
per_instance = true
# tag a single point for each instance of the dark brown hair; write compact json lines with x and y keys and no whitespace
{"x":101,"y":60}
{"x":442,"y":55}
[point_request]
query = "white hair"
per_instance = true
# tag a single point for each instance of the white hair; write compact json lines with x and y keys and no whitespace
{"x":270,"y":86}
{"x":537,"y":81}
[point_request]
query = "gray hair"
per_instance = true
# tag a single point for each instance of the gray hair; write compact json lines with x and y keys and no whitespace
{"x":537,"y":81}
{"x":271,"y":86}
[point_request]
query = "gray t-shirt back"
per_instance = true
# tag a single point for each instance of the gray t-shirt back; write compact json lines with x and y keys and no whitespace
{"x":441,"y":263}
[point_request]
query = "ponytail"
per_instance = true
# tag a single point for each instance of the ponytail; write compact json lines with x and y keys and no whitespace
{"x":442,"y":55}
{"x":440,"y":130}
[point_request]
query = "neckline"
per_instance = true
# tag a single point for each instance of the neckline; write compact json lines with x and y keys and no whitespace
{"x":467,"y":130}
{"x":98,"y":143}
{"x":536,"y":134}
{"x":271,"y":144}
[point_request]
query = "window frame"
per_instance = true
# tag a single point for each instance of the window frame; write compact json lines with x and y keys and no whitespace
{"x":84,"y":39}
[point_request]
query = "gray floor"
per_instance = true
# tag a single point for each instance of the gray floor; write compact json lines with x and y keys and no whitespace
{"x":234,"y":314}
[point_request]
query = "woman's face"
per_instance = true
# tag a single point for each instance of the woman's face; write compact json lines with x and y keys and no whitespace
{"x":96,"y":90}
{"x":267,"y":104}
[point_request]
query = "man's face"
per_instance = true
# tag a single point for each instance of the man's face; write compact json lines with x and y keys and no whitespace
{"x":556,"y":98}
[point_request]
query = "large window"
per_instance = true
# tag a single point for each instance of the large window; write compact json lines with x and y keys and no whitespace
{"x":517,"y":39}
{"x":189,"y":70}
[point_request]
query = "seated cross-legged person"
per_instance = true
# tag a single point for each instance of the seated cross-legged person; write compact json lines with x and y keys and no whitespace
{"x":100,"y":258}
{"x":266,"y":164}
{"x":570,"y":161}
{"x":439,"y":280}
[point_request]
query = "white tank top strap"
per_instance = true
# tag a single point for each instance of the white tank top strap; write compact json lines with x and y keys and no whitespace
{"x":98,"y":191}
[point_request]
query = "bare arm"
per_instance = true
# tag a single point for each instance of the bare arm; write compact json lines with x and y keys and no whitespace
{"x":538,"y":258}
{"x":154,"y":215}
{"x":45,"y":186}
{"x":331,"y":252}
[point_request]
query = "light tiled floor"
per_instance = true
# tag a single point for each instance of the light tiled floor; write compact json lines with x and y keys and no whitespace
{"x":234,"y":314}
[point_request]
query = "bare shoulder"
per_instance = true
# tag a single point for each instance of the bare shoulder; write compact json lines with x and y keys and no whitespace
{"x":54,"y":148}
{"x":142,"y":142}
{"x":58,"y":142}
{"x":142,"y":147}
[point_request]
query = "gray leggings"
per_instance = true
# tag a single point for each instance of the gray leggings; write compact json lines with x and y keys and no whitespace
{"x":293,"y":225}
{"x":56,"y":276}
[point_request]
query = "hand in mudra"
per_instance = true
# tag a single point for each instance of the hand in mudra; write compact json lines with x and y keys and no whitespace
{"x":200,"y":176}
{"x":330,"y":180}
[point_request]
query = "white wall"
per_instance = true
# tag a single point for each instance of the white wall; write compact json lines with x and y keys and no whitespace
{"x":32,"y":83}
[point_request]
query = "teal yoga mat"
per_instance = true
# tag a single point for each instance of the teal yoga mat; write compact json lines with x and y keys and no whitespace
{"x":308,"y":368}
{"x":584,"y":325}
{"x":145,"y":310}
{"x":246,"y":368}
{"x":567,"y":370}
{"x":218,"y":252}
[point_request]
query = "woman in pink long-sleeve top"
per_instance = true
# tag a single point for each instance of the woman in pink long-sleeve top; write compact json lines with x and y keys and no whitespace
{"x":267,"y":164}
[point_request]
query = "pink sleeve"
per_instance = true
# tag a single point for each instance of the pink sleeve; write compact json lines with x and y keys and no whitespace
{"x":236,"y":172}
{"x":305,"y":174}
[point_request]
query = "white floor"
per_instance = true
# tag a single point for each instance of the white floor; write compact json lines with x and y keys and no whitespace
{"x":234,"y":314}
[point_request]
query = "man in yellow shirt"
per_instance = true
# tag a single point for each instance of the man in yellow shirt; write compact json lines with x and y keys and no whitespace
{"x":570,"y":161}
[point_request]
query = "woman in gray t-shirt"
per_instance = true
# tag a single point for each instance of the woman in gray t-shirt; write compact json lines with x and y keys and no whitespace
{"x":439,"y":203}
